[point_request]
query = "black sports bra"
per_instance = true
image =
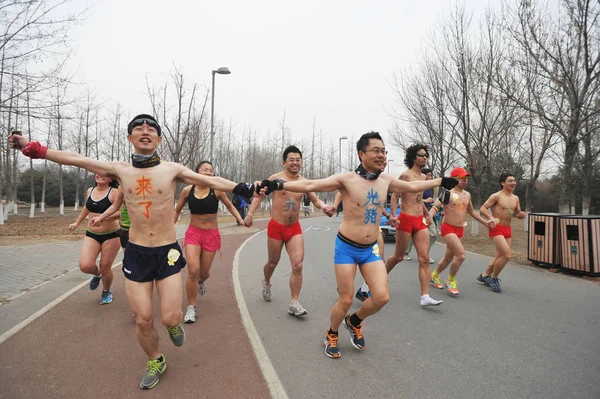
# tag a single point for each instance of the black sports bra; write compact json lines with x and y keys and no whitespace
{"x":205,"y":206}
{"x":99,"y":206}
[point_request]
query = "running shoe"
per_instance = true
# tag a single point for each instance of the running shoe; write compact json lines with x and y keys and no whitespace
{"x":266,"y":292}
{"x":494,"y":284}
{"x":431,"y":261}
{"x":201,"y":287}
{"x":406,"y":257}
{"x":294,"y":308}
{"x":190,"y":314}
{"x":356,"y":337}
{"x":154,"y":369}
{"x":95,"y":282}
{"x":331,"y":345}
{"x":452,"y":287}
{"x":177,"y":334}
{"x":107,"y":297}
{"x":362,"y":295}
{"x":435,"y":282}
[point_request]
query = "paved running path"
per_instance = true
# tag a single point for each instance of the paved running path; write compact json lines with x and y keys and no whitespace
{"x":539,"y":338}
{"x":82,"y":349}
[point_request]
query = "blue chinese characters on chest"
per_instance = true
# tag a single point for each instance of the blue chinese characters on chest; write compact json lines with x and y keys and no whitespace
{"x":371,"y":206}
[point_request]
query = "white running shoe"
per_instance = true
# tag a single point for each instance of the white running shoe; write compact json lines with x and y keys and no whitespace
{"x":294,"y":308}
{"x":266,"y":292}
{"x":190,"y":315}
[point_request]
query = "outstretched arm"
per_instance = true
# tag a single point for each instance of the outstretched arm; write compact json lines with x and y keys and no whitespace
{"x":218,"y":183}
{"x":330,"y":183}
{"x":36,"y":151}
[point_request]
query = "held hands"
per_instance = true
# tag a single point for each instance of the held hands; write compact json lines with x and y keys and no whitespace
{"x":491,"y":224}
{"x":329,"y":210}
{"x":393,"y":221}
{"x":248,"y":221}
{"x":271,"y":185}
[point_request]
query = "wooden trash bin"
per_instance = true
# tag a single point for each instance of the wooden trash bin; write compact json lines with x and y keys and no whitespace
{"x":580,"y":244}
{"x":543,"y":245}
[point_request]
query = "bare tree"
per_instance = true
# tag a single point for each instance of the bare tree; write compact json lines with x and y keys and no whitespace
{"x":564,"y":46}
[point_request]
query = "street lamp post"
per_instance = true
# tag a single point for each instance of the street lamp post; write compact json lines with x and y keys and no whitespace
{"x":221,"y":71}
{"x":389,"y":162}
{"x":340,"y":149}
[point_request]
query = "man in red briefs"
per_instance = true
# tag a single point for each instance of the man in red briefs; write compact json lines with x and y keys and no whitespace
{"x":504,"y":205}
{"x":284,"y":228}
{"x":414,"y":221}
{"x":456,"y":203}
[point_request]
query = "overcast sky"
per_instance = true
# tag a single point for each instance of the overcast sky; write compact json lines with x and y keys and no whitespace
{"x":332,"y":60}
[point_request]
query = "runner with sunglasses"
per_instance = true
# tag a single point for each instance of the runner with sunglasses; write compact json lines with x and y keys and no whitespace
{"x":364,"y":193}
{"x":414,"y":221}
{"x":153,"y":255}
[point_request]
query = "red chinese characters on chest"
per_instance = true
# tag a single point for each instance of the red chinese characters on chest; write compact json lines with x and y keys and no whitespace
{"x":144,"y":188}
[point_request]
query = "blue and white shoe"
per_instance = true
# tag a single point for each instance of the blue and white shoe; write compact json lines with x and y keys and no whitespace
{"x":107,"y":297}
{"x":495,"y":284}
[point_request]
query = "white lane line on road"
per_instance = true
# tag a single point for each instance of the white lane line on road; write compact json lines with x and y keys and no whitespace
{"x":49,"y":306}
{"x":273,"y":382}
{"x":25,"y":291}
{"x":46,"y":308}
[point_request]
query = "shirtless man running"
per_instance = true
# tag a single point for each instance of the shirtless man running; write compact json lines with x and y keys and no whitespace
{"x":364,"y":194}
{"x":504,"y":205}
{"x":153,"y":255}
{"x":413,"y":221}
{"x":284,"y":229}
{"x":457,"y":203}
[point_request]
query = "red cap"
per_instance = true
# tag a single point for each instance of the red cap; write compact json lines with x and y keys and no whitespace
{"x":459,"y":172}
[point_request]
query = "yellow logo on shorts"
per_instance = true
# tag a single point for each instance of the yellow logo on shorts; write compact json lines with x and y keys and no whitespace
{"x":376,"y":250}
{"x":172,"y":256}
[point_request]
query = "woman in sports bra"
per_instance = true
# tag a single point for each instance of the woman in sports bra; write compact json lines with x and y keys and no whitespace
{"x":202,"y":238}
{"x":101,"y":239}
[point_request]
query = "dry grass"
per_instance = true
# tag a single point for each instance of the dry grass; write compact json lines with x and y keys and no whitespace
{"x":52,"y":227}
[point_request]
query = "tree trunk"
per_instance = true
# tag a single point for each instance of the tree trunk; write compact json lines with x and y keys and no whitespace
{"x":60,"y":188}
{"x":565,"y":195}
{"x":43,"y":201}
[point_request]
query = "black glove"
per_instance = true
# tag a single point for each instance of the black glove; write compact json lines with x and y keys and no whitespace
{"x":444,"y":197}
{"x":449,"y":183}
{"x":272,"y":185}
{"x":244,"y":189}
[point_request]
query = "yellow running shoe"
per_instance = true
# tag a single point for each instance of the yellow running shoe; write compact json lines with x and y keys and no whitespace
{"x":452,"y":288}
{"x":435,"y":282}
